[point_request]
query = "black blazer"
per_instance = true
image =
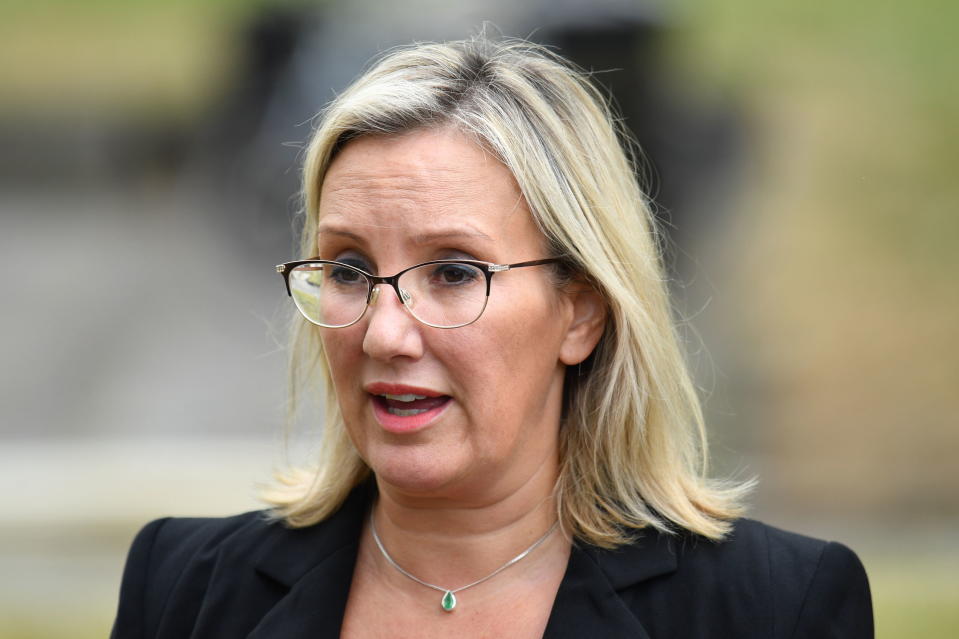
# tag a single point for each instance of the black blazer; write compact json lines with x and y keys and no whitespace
{"x":245,"y":577}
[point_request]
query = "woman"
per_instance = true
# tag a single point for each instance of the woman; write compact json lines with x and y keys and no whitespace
{"x":508,"y":456}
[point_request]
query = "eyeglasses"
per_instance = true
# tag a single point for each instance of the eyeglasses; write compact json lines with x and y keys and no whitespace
{"x":440,"y":293}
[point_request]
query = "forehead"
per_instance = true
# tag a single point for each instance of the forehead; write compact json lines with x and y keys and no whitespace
{"x":434,"y":180}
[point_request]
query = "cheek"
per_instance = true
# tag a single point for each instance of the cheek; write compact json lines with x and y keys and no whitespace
{"x":342,"y":348}
{"x":508,"y":365}
{"x":529,"y":327}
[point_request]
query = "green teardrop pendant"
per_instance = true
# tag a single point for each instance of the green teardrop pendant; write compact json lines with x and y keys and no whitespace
{"x":449,"y":601}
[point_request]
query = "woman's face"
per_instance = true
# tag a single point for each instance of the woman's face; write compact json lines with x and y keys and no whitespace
{"x":492,"y":390}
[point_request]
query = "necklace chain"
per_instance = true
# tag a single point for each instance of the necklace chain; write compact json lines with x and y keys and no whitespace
{"x":449,"y":600}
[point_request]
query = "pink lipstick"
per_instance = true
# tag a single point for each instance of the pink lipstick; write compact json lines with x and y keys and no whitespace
{"x":402,"y":409}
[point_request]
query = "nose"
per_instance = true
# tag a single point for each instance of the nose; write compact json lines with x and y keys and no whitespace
{"x":405,"y":297}
{"x":391,"y":331}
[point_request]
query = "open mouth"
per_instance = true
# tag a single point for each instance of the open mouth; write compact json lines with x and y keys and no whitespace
{"x":409,"y":404}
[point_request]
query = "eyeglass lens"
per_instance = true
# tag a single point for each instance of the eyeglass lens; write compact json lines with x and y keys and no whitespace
{"x":440,"y":295}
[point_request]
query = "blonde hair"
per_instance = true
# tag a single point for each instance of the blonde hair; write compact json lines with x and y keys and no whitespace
{"x":633,"y":441}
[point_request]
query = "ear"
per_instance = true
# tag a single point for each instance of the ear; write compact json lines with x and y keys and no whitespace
{"x":587,"y":324}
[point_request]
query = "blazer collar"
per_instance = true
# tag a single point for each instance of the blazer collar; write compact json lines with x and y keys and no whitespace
{"x":651,"y":554}
{"x":589,"y":597}
{"x":316,"y":565}
{"x":287,"y":554}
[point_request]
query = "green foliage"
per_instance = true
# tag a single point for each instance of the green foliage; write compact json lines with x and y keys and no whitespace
{"x":874,"y":83}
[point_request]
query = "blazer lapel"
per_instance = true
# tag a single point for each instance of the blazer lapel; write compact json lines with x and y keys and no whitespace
{"x":315,"y":604}
{"x":314,"y":566}
{"x":589,"y":602}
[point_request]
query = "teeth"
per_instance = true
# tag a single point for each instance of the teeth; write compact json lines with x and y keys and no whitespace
{"x":400,"y":412}
{"x":409,"y":397}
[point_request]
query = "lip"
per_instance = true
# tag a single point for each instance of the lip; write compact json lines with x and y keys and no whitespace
{"x":384,"y":388}
{"x":398,"y":424}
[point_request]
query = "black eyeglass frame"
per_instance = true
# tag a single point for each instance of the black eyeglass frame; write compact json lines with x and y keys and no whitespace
{"x":488,"y":269}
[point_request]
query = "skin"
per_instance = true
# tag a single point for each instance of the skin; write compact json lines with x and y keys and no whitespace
{"x":474,"y":486}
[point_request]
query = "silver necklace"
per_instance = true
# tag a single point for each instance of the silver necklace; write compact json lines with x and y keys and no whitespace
{"x":448,"y":603}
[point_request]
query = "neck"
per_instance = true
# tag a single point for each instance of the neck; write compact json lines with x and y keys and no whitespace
{"x":451,"y":542}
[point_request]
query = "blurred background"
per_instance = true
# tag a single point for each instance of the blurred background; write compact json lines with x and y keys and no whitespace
{"x":802,"y":156}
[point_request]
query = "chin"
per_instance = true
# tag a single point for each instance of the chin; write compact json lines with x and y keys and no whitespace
{"x":423,"y":485}
{"x":416,"y":475}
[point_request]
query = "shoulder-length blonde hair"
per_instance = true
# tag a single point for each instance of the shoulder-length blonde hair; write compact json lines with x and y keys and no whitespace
{"x":633,"y":441}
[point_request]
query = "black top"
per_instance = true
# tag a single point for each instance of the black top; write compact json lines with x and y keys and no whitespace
{"x":243,"y":576}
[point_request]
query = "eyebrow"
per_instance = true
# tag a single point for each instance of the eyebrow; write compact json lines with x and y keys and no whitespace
{"x":426,"y":237}
{"x":341,"y":232}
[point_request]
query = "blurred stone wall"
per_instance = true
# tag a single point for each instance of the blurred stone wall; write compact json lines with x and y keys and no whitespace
{"x":802,"y":158}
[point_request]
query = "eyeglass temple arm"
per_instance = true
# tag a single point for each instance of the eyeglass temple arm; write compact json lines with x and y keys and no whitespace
{"x":493,"y":268}
{"x":285,"y":272}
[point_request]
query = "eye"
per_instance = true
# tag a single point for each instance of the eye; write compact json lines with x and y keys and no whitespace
{"x":453,"y":274}
{"x":346,"y":276}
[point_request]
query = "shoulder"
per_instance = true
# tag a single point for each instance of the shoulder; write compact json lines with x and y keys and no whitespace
{"x":778,"y":583}
{"x":220,"y":577}
{"x":797,"y":586}
{"x":794,"y":562}
{"x":172,"y":542}
{"x":174,"y":555}
{"x":755,"y":546}
{"x":819,"y":588}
